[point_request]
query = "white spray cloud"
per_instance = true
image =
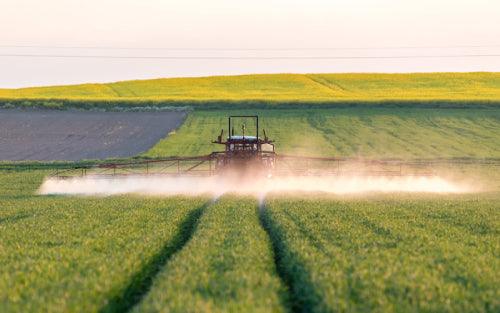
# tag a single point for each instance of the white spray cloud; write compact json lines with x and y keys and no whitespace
{"x":215,"y":185}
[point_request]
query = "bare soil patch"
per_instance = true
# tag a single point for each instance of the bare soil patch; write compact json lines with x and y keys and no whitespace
{"x":47,"y":135}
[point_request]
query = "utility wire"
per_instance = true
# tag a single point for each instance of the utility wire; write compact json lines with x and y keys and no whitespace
{"x":62,"y":56}
{"x":248,"y":49}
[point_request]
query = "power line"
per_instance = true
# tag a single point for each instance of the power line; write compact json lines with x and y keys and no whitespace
{"x":62,"y":56}
{"x":248,"y":49}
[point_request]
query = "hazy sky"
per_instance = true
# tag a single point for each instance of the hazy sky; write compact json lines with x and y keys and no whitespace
{"x":282,"y":35}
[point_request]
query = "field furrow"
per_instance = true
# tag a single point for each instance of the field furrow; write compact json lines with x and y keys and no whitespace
{"x":227,"y":266}
{"x":387,"y":254}
{"x":86,"y":254}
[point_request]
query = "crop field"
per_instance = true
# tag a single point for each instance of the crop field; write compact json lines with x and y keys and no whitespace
{"x":371,"y":132}
{"x":389,"y":254}
{"x":227,"y":266}
{"x":283,"y":87}
{"x":300,"y":252}
{"x":73,"y":254}
{"x":310,"y":253}
{"x":350,"y":132}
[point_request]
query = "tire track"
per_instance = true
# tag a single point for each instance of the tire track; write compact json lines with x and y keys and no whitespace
{"x":14,"y":218}
{"x":302,"y":296}
{"x":141,"y":282}
{"x":327,"y":85}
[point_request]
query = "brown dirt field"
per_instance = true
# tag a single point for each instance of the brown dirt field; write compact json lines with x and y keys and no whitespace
{"x":47,"y":135}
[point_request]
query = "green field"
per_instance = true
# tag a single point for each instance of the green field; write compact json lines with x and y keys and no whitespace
{"x":283,"y":87}
{"x":227,"y":266}
{"x":73,"y":254}
{"x":300,"y":253}
{"x":395,"y":252}
{"x":291,"y":253}
{"x":403,"y":254}
{"x":350,"y":132}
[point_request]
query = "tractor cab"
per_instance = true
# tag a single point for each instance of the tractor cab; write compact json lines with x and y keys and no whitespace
{"x":242,"y":143}
{"x":244,"y":150}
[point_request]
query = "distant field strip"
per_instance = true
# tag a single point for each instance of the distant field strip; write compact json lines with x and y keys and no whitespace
{"x":282,"y":87}
{"x":388,"y":254}
{"x":352,"y":132}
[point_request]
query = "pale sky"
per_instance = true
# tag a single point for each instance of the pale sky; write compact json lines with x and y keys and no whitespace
{"x":290,"y":36}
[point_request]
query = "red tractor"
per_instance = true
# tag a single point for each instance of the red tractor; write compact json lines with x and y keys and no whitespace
{"x":245,"y":153}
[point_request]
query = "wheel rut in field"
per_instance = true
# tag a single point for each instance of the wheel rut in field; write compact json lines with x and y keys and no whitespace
{"x":14,"y":218}
{"x":141,"y":282}
{"x":301,"y":295}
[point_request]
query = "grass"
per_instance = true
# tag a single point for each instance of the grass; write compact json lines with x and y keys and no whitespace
{"x":283,"y":88}
{"x":388,"y":254}
{"x":82,"y":254}
{"x":300,"y":253}
{"x":226,"y":267}
{"x":351,"y":132}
